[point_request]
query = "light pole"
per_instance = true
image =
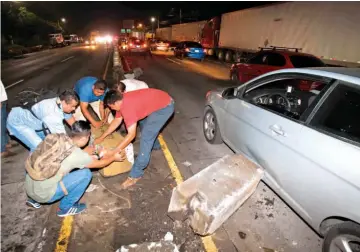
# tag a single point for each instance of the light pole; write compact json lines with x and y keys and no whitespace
{"x":152,"y":25}
{"x":63,"y":20}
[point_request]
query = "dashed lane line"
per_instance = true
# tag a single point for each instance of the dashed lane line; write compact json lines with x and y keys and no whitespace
{"x":174,"y":61}
{"x":207,"y":241}
{"x":67,"y":59}
{"x":13,"y":84}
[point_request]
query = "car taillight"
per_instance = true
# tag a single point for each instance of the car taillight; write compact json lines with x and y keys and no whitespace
{"x":131,"y":44}
{"x":204,"y":50}
{"x":187,"y":50}
{"x":144,"y":45}
{"x":166,"y":44}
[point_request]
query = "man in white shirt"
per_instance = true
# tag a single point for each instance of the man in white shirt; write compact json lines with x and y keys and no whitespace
{"x":29,"y":126}
{"x":128,"y":85}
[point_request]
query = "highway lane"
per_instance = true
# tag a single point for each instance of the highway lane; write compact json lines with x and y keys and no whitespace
{"x":23,"y":227}
{"x":264,"y":222}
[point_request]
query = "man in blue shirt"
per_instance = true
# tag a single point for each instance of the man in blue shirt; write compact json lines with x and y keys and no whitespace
{"x":91,"y":91}
{"x":27,"y":126}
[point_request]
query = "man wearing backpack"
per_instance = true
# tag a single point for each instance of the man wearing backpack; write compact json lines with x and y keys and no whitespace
{"x":31,"y":125}
{"x":91,"y":91}
{"x":49,"y":179}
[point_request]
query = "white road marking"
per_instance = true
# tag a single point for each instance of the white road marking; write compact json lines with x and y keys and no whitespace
{"x":15,"y":83}
{"x":173,"y":61}
{"x":68,"y":58}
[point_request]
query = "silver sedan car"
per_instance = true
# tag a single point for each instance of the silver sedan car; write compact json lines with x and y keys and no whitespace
{"x":302,"y":126}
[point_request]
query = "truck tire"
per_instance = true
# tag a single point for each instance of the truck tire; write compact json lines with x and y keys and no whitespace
{"x":229,"y":56}
{"x":221,"y":55}
{"x":210,"y":52}
{"x":347,"y":232}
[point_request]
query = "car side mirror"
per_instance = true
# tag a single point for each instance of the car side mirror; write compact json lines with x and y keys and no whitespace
{"x":229,"y":93}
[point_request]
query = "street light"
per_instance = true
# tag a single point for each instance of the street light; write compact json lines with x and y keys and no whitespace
{"x":139,"y":25}
{"x":152,"y":25}
{"x":63,"y":20}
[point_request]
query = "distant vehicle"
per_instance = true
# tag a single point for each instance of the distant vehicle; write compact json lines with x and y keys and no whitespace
{"x":56,"y":40}
{"x":189,"y":49}
{"x":173,"y":45}
{"x":160,"y":45}
{"x":307,"y":140}
{"x":94,"y":36}
{"x":74,"y":38}
{"x":67,"y":40}
{"x":135,"y":45}
{"x":271,"y":59}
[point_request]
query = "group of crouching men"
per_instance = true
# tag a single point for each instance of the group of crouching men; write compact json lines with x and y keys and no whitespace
{"x":59,"y":164}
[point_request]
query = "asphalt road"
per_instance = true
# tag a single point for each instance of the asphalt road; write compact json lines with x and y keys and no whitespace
{"x":263,"y":223}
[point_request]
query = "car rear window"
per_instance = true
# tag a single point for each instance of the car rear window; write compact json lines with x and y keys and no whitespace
{"x":193,"y":45}
{"x":301,"y":61}
{"x":138,"y":42}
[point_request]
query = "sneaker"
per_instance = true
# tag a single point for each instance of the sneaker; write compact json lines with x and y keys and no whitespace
{"x":33,"y":203}
{"x":75,"y":209}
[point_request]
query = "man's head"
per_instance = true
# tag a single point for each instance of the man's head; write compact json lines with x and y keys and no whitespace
{"x":119,"y":86}
{"x":80,"y":133}
{"x":113,"y":99}
{"x":99,"y":87}
{"x":69,"y":100}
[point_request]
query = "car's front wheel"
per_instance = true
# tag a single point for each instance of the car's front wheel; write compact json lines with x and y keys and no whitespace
{"x":211,"y":127}
{"x":343,"y":237}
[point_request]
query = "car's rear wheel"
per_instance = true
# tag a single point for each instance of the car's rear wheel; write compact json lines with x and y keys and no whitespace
{"x":343,"y":237}
{"x":211,"y":127}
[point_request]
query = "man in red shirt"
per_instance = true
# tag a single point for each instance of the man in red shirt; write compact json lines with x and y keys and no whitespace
{"x":151,"y":106}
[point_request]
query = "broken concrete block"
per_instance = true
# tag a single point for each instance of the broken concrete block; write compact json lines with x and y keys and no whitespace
{"x":211,"y":196}
{"x":165,"y":245}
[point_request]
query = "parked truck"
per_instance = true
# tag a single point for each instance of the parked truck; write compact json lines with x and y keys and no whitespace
{"x":328,"y":30}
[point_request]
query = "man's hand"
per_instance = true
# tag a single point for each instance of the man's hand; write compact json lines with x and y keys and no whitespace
{"x":97,"y":124}
{"x":120,"y":157}
{"x":98,"y":140}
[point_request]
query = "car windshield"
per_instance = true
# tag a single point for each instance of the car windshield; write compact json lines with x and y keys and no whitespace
{"x":301,"y":61}
{"x":193,"y":45}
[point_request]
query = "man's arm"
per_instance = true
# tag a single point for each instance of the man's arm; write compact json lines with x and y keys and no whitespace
{"x":87,"y":115}
{"x":112,"y":127}
{"x":54,"y":124}
{"x":102,"y":110}
{"x":105,"y":161}
{"x":70,"y":121}
{"x":128,"y":139}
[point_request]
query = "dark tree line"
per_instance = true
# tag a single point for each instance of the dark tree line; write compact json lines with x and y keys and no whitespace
{"x":23,"y":27}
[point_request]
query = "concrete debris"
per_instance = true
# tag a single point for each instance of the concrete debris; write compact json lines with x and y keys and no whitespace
{"x":165,"y":245}
{"x":211,"y":196}
{"x":91,"y":188}
{"x":187,"y":163}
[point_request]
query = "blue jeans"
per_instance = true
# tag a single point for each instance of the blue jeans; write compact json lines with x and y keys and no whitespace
{"x":23,"y":125}
{"x":151,"y":127}
{"x":75,"y":183}
{"x":4,"y":136}
{"x":157,"y":143}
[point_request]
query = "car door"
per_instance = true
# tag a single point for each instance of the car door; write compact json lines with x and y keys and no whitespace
{"x":253,"y":68}
{"x":178,"y":48}
{"x":327,"y":173}
{"x":265,"y":135}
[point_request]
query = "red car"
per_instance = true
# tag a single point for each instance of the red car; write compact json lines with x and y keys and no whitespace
{"x":271,"y":59}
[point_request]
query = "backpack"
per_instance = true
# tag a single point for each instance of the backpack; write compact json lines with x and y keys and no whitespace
{"x":46,"y":160}
{"x":28,"y":97}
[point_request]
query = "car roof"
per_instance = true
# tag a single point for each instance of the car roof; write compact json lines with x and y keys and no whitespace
{"x":351,"y":75}
{"x":288,"y":53}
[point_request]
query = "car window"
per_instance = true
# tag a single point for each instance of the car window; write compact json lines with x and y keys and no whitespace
{"x":193,"y":45}
{"x":301,"y":61}
{"x":339,"y":115}
{"x":288,"y":96}
{"x":258,"y":59}
{"x":275,"y":59}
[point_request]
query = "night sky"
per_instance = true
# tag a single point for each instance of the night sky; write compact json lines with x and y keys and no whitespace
{"x":106,"y":16}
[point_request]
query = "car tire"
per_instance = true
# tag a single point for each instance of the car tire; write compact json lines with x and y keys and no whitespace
{"x":346,"y":231}
{"x":212,"y":133}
